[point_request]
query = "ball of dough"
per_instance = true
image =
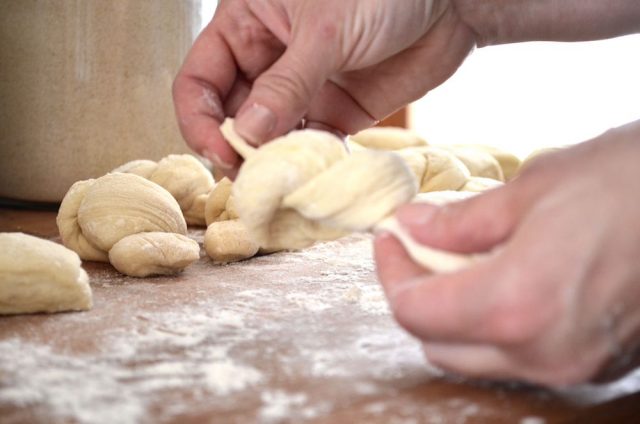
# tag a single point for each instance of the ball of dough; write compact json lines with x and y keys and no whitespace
{"x":118,"y":205}
{"x":388,"y":138}
{"x":229,"y":241}
{"x":38,"y":275}
{"x":153,"y":253}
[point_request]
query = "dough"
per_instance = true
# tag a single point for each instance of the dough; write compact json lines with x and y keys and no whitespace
{"x":145,"y":254}
{"x":184,"y":176}
{"x":435,"y":169}
{"x":304,"y":187}
{"x":478,"y":184}
{"x":95,"y":215}
{"x":479,"y":163}
{"x":430,"y":258}
{"x":229,"y":241}
{"x":38,"y":275}
{"x":220,"y":205}
{"x":387,"y":138}
{"x":509,"y":163}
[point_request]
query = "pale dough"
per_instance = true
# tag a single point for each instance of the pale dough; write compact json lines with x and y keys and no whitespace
{"x":387,"y":138}
{"x":38,"y":275}
{"x":145,"y":254}
{"x":430,"y":258}
{"x":183,"y":176}
{"x":96,"y":215}
{"x":304,"y":187}
{"x":229,"y":241}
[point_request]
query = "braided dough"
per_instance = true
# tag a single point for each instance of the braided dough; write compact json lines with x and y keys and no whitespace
{"x":304,"y":187}
{"x":96,"y":216}
{"x":188,"y":181}
{"x":38,"y":275}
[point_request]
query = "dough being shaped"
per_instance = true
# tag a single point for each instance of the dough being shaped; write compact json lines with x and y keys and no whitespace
{"x":387,"y":138}
{"x":153,"y":253}
{"x":229,"y":241}
{"x":294,"y":191}
{"x":38,"y":275}
{"x":183,"y":176}
{"x":478,"y":184}
{"x":430,"y":258}
{"x":435,"y":169}
{"x":509,"y":163}
{"x":479,"y":163}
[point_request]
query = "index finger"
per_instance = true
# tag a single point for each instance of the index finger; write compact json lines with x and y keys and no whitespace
{"x":205,"y":79}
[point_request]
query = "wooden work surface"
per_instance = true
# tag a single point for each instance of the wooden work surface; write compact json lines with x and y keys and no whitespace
{"x":290,"y":337}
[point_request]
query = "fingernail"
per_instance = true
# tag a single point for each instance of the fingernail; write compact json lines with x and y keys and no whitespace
{"x":255,"y":124}
{"x":217,"y":162}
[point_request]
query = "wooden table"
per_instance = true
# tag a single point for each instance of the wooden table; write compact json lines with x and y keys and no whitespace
{"x":290,"y":337}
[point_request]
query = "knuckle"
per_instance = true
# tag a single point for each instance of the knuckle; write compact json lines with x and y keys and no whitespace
{"x":291,"y":86}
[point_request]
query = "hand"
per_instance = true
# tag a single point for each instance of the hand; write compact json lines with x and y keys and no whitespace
{"x":559,"y":301}
{"x":339,"y":64}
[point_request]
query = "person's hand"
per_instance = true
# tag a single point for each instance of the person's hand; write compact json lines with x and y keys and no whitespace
{"x":558,"y":302}
{"x":339,"y":64}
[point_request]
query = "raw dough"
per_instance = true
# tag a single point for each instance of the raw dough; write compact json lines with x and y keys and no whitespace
{"x":435,"y":169}
{"x":479,"y":163}
{"x":184,"y":176}
{"x":96,"y":215}
{"x":145,"y":254}
{"x":220,"y":205}
{"x":387,"y":138}
{"x":229,"y":241}
{"x":38,"y":275}
{"x":478,"y":184}
{"x":315,"y":190}
{"x":432,"y":259}
{"x":509,"y":163}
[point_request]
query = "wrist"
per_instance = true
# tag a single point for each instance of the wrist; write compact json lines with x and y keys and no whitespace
{"x":511,"y":21}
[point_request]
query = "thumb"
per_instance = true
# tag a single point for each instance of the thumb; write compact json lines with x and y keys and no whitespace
{"x":281,"y":96}
{"x":473,"y":225}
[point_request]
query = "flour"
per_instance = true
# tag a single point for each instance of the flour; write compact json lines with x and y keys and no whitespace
{"x":278,"y":404}
{"x":264,"y":340}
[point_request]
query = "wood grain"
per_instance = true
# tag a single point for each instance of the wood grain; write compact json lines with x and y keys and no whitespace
{"x":290,"y":337}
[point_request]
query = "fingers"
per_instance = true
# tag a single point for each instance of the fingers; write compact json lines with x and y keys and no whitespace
{"x":393,"y":265}
{"x":281,"y":95}
{"x":198,"y":92}
{"x":469,"y":226}
{"x":472,"y":360}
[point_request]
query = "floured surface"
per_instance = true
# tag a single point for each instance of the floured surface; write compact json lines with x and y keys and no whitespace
{"x":292,"y":336}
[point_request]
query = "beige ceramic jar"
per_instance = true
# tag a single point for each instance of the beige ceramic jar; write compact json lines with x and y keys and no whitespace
{"x":85,"y":85}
